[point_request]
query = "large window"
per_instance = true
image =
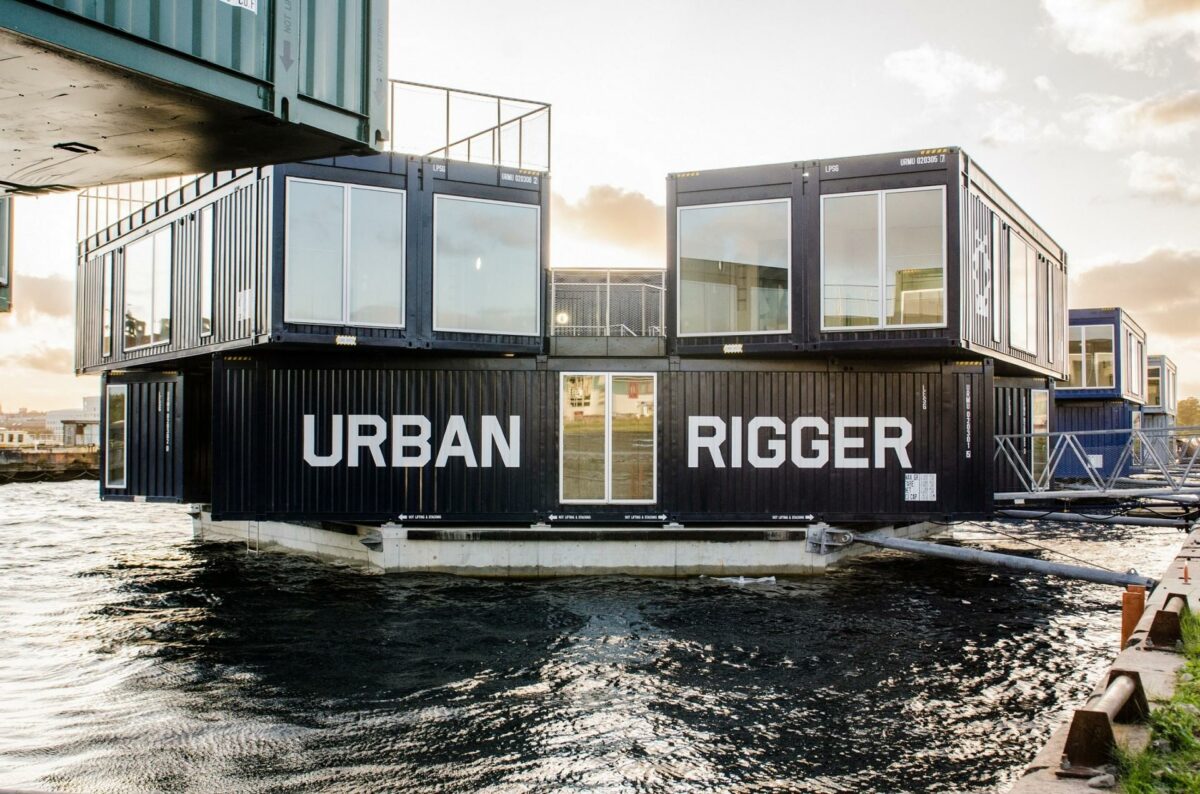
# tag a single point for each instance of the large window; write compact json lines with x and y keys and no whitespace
{"x":608,"y":438}
{"x":148,"y":290}
{"x":883,"y":259}
{"x":106,"y":311}
{"x":205,"y":269}
{"x":487,"y":272}
{"x":1039,"y":418}
{"x":345,"y":254}
{"x":734,"y":268}
{"x":1091,"y":358}
{"x":114,"y":436}
{"x":1022,"y":294}
{"x":1154,"y":388}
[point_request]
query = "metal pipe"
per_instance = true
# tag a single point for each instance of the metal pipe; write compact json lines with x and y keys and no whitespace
{"x":1010,"y":561}
{"x":1115,"y":696}
{"x":1138,"y":521}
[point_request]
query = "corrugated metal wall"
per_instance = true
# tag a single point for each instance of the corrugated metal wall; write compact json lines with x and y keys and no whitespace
{"x":241,"y":276}
{"x":259,"y":468}
{"x":168,"y":441}
{"x":1092,"y":415}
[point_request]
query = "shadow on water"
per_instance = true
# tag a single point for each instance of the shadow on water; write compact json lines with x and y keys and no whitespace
{"x":176,"y":665}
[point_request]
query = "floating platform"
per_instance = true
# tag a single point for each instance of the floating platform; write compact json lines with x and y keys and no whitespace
{"x":544,"y":552}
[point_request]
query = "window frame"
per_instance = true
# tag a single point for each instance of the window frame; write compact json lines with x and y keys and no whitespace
{"x":107,"y":289}
{"x":109,"y":390}
{"x":787,"y":330}
{"x":1031,"y":306}
{"x":149,"y":236}
{"x":881,"y":256}
{"x":1154,"y":372}
{"x":347,"y":187}
{"x":608,"y":404}
{"x":206,"y":216}
{"x":539,"y":320}
{"x":1083,"y":340}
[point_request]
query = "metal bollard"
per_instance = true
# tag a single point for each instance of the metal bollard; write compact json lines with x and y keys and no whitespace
{"x":1165,"y":629}
{"x":1090,"y":740}
{"x":1133,"y":604}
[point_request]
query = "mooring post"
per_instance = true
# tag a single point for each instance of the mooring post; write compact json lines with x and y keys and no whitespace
{"x":1133,"y":604}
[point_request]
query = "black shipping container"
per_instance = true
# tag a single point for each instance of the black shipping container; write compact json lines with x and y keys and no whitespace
{"x":1022,"y":406}
{"x":237,"y":221}
{"x":165,"y":447}
{"x":799,"y":441}
{"x":980,"y":221}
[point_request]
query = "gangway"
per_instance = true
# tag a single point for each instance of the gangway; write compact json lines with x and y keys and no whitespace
{"x":1134,"y":476}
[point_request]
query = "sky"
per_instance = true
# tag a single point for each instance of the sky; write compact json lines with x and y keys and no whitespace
{"x":1086,"y":111}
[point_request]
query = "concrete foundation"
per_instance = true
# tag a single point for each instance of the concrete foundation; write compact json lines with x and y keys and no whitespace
{"x":538,"y":552}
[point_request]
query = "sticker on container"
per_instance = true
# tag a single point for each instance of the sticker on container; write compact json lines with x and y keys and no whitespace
{"x":248,"y":5}
{"x":1097,"y":461}
{"x":243,"y":305}
{"x":920,"y":487}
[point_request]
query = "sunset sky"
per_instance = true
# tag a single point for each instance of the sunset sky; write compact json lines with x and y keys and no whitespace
{"x":1086,"y":111}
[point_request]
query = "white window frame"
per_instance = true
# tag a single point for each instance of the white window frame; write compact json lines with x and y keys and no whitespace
{"x":881,"y":255}
{"x":1150,"y":368}
{"x":1033,"y":396}
{"x":347,"y":187}
{"x":1083,"y":352}
{"x":608,"y":403}
{"x":1031,"y":307}
{"x":538,"y":273}
{"x":679,"y":269}
{"x":169,"y":228}
{"x":1050,"y":337}
{"x":206,"y":217}
{"x":107,"y":304}
{"x":110,"y":389}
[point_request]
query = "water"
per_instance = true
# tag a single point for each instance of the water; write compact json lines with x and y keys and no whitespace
{"x":135,"y":659}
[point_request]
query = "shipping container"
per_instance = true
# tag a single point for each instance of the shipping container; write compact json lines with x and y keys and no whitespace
{"x":156,"y":442}
{"x":908,"y":254}
{"x":384,"y":250}
{"x":1162,"y":392}
{"x":1023,"y":406}
{"x":204,"y":85}
{"x":572,"y":441}
{"x":1107,"y":357}
{"x":1104,"y":450}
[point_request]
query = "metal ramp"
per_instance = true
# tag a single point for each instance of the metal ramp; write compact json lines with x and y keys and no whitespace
{"x":1133,"y":476}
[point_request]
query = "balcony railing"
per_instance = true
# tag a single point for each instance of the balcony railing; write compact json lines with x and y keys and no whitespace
{"x":589,"y":302}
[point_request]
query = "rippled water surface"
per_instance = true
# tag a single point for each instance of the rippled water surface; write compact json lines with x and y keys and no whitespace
{"x":133,"y":658}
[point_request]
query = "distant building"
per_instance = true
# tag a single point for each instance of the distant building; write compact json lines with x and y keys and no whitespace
{"x":76,"y":426}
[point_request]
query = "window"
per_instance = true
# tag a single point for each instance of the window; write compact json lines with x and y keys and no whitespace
{"x":106,"y":298}
{"x":1171,"y":401}
{"x":1049,"y":311}
{"x":883,"y":259}
{"x":735,"y":268}
{"x":114,"y":438}
{"x":1154,"y":388}
{"x":345,"y":254}
{"x":148,"y":290}
{"x":1039,"y":420}
{"x":206,"y":271}
{"x":487,"y":276}
{"x":1139,"y":368}
{"x":607,"y":438}
{"x":1022,"y":294}
{"x":997,"y":326}
{"x":1091,"y":358}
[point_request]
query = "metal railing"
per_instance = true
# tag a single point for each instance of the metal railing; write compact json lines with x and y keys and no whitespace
{"x":436,"y":121}
{"x":1132,"y":462}
{"x":591,"y":302}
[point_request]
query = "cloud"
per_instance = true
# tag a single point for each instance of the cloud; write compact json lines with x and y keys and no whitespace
{"x":1161,"y":290}
{"x":624,"y":218}
{"x":1163,"y":177}
{"x":1113,"y":122}
{"x":52,"y":296}
{"x":1043,"y":84}
{"x":58,"y":360}
{"x":1014,"y":124}
{"x":1133,"y":34}
{"x":941,"y":74}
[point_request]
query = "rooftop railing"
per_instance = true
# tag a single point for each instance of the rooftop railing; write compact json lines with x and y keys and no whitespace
{"x":593,"y":302}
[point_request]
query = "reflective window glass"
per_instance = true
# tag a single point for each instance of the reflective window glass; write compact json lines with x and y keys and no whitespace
{"x":486,"y":267}
{"x":733,"y":268}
